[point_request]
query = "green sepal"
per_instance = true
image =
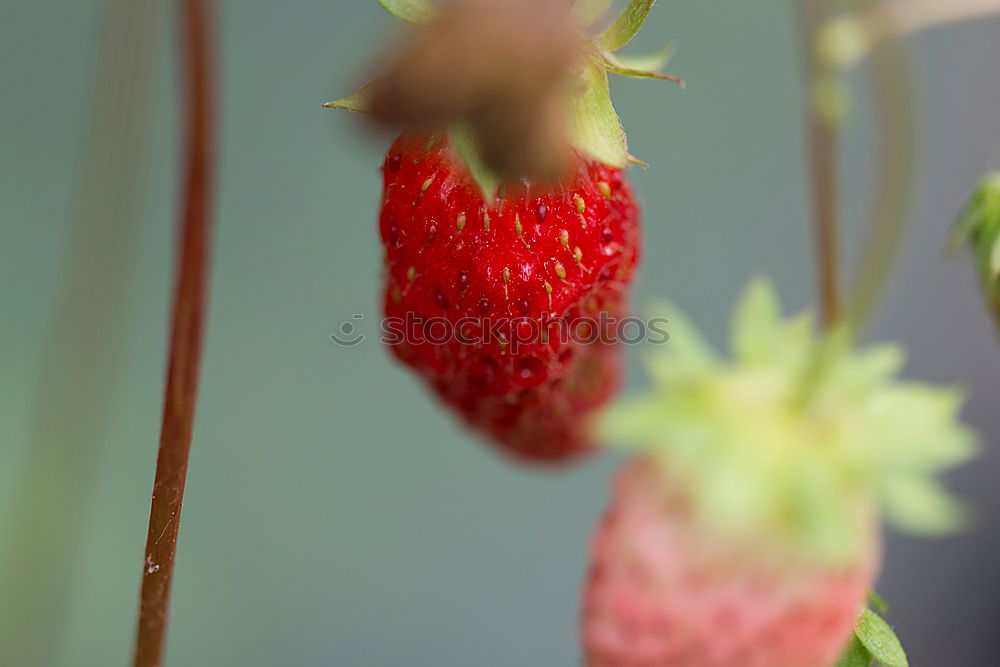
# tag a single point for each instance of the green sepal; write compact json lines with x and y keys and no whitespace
{"x":756,"y":324}
{"x":652,"y":62}
{"x":880,"y":640}
{"x":463,"y":142}
{"x":877,"y":602}
{"x":589,"y":11}
{"x":356,"y":101}
{"x":856,"y":655}
{"x":417,"y":12}
{"x":594,"y":125}
{"x":621,"y":32}
{"x":459,"y":136}
{"x":612,"y":64}
{"x":922,"y":506}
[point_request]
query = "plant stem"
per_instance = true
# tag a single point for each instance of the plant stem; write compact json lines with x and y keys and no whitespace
{"x":889,"y":214}
{"x":823,"y":168}
{"x":186,"y":335}
{"x":72,"y":404}
{"x":896,"y":129}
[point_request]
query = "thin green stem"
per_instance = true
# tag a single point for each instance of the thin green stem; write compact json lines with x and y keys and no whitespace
{"x":186,"y":335}
{"x":890,"y":214}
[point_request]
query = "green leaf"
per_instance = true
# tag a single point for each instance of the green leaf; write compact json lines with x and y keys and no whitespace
{"x":652,"y":62}
{"x":357,"y":101}
{"x":417,"y":12}
{"x":589,"y":11}
{"x":880,"y":640}
{"x":594,"y":125}
{"x":993,"y":264}
{"x":856,"y":655}
{"x":625,"y":26}
{"x":464,"y":144}
{"x":981,"y":213}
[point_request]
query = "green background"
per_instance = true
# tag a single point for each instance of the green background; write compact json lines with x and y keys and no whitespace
{"x":335,"y":514}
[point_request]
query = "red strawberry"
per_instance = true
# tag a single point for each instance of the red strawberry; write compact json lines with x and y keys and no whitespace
{"x":665,"y":592}
{"x":487,"y":290}
{"x":491,"y":291}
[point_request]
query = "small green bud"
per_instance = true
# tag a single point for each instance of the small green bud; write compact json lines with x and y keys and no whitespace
{"x":842,"y":42}
{"x":979,"y":225}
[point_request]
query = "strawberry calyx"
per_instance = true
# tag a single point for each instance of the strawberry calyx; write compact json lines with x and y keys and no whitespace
{"x":592,"y":124}
{"x":753,"y":459}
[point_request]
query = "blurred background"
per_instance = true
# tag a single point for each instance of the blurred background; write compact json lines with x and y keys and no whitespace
{"x":335,"y":515}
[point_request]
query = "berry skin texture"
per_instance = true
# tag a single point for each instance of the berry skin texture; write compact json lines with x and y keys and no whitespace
{"x":479,"y":297}
{"x":665,"y":592}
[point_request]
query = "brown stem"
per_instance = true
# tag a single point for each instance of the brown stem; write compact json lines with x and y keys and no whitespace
{"x":823,"y":168}
{"x":185,"y":339}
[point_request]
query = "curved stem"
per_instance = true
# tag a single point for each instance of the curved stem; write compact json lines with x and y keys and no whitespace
{"x":889,"y":20}
{"x":823,"y":167}
{"x":186,"y":336}
{"x":896,"y":130}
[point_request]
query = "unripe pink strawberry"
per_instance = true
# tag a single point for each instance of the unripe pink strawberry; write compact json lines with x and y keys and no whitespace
{"x":744,"y":532}
{"x":665,"y":591}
